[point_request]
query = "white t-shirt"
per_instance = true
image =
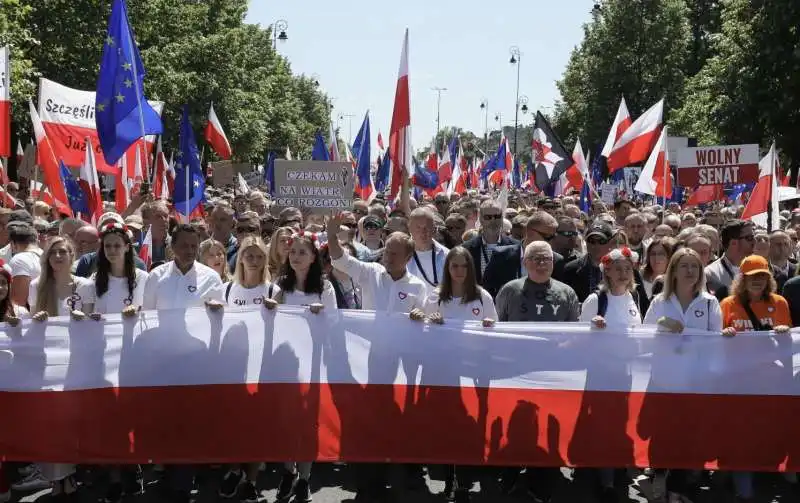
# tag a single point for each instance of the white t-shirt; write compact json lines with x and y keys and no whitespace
{"x":168,"y":288}
{"x":83,"y":295}
{"x":237,"y":295}
{"x":454,"y":309}
{"x":622,"y":310}
{"x":298,"y":298}
{"x":27,"y":263}
{"x":117,"y":296}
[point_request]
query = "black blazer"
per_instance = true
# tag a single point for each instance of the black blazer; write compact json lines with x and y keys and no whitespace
{"x":504,"y":264}
{"x":576,"y":275}
{"x":791,"y":292}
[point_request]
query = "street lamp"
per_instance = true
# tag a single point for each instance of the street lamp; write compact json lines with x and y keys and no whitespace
{"x":523,"y":104}
{"x":349,"y":118}
{"x":485,"y":108}
{"x":438,"y":91}
{"x":516,"y":59}
{"x":279,"y":32}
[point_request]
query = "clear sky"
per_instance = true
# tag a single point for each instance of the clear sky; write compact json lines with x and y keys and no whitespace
{"x":353,"y":48}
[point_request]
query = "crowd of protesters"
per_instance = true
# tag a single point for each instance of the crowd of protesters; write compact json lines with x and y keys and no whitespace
{"x":476,"y":257}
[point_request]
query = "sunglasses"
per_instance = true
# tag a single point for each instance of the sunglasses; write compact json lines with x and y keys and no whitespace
{"x":597,"y":241}
{"x":750,"y":239}
{"x":567,"y":234}
{"x":247,"y":230}
{"x":492,"y":217}
{"x":372,"y":226}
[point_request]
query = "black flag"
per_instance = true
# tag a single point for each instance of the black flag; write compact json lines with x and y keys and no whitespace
{"x":550,"y":158}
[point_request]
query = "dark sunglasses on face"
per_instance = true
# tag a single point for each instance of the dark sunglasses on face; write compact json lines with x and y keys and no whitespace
{"x":372,"y":226}
{"x":567,"y":234}
{"x":492,"y":217}
{"x":597,"y":241}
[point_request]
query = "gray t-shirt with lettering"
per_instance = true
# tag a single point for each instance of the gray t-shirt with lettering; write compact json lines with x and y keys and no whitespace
{"x":524,"y":300}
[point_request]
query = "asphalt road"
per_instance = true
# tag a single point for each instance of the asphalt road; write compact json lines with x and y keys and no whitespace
{"x":336,"y":483}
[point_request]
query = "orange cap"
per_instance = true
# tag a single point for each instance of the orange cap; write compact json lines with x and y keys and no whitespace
{"x":754,"y":264}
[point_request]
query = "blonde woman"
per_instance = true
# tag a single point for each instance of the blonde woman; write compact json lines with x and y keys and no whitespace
{"x":57,"y":292}
{"x":250,"y":284}
{"x":278,"y":250}
{"x":616,"y":303}
{"x":212,"y":253}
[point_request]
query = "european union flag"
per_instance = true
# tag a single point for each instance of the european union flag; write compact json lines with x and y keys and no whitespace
{"x":78,"y":201}
{"x":122,"y":113}
{"x":269,"y":172}
{"x":382,"y":175}
{"x":320,"y":150}
{"x":424,"y":178}
{"x":190,"y":184}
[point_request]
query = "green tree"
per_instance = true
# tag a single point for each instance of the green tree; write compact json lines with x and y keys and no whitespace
{"x":15,"y":33}
{"x":749,"y":92}
{"x":638,"y":49}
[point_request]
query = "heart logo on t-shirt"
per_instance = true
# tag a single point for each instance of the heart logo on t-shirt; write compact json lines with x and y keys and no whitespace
{"x":698,"y":314}
{"x":632,"y":312}
{"x":402,"y":295}
{"x":192,"y":288}
{"x":770,"y":309}
{"x":476,"y":311}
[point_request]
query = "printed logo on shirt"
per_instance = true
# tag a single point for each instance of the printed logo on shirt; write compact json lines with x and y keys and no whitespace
{"x":770,"y":309}
{"x":402,"y":295}
{"x":632,"y":312}
{"x":476,"y":311}
{"x":748,"y":325}
{"x":243,"y":302}
{"x":699,"y":314}
{"x":192,"y":288}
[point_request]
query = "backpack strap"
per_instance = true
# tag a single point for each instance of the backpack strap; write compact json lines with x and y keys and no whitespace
{"x":708,"y":314}
{"x":228,"y":291}
{"x":757,"y":325}
{"x":269,"y":290}
{"x":602,"y":302}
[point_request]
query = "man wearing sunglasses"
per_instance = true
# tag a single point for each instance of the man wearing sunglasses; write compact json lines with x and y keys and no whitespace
{"x":491,"y":247}
{"x":738,"y":239}
{"x":565,"y":241}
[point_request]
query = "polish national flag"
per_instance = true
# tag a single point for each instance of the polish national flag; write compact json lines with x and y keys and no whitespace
{"x":5,"y":103}
{"x":89,"y":182}
{"x":215,"y":135}
{"x":445,"y":167}
{"x":6,"y":201}
{"x":20,"y":152}
{"x":638,"y":140}
{"x":122,"y":187}
{"x":46,"y":159}
{"x":146,"y":249}
{"x":622,"y":122}
{"x":380,"y":142}
{"x":138,"y":177}
{"x":458,"y":180}
{"x":572,"y":178}
{"x":400,"y":148}
{"x":765,"y":193}
{"x":4,"y":173}
{"x":655,"y":179}
{"x":160,"y":183}
{"x":706,"y":194}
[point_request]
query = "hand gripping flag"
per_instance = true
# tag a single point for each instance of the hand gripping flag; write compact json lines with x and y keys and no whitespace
{"x":215,"y":135}
{"x":123,"y":115}
{"x":549,"y":155}
{"x":362,"y":147}
{"x":190,"y":184}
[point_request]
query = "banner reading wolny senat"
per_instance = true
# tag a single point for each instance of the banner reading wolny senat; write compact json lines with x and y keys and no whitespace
{"x":68,"y":117}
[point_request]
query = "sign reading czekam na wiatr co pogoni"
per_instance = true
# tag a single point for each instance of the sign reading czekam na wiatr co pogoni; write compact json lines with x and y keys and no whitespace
{"x":317,"y":186}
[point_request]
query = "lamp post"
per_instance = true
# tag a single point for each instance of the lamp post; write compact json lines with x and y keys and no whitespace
{"x":438,"y":91}
{"x":516,"y":59}
{"x":498,"y":118}
{"x":349,"y":118}
{"x":279,"y":32}
{"x":485,"y":108}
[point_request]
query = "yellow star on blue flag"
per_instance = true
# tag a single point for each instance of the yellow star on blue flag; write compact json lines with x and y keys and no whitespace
{"x":123,"y":113}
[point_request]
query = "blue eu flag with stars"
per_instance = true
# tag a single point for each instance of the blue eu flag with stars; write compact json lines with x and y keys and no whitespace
{"x":190,"y":183}
{"x":122,"y":114}
{"x":78,"y":201}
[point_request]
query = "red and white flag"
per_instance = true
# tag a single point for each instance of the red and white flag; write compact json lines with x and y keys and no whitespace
{"x":160,"y":173}
{"x":765,"y":194}
{"x":655,"y":179}
{"x":146,"y":249}
{"x":400,"y":148}
{"x":122,"y":187}
{"x":89,"y":182}
{"x":5,"y":103}
{"x":572,"y":178}
{"x":638,"y":140}
{"x":445,"y":167}
{"x":380,"y":143}
{"x":20,"y":152}
{"x":706,"y":194}
{"x":46,"y":159}
{"x":458,"y":180}
{"x":6,"y":201}
{"x":138,"y":177}
{"x":622,"y":122}
{"x":215,"y":135}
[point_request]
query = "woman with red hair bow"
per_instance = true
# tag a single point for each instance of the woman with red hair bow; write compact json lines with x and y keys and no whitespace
{"x":616,"y":301}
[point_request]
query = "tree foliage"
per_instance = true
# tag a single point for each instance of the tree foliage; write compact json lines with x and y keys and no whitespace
{"x":195,"y":52}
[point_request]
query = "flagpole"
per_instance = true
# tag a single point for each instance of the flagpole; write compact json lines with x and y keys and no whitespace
{"x":771,"y":186}
{"x":666,"y":167}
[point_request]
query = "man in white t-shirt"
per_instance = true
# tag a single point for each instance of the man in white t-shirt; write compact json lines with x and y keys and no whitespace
{"x":427,"y":259}
{"x":183,"y":282}
{"x":25,"y":263}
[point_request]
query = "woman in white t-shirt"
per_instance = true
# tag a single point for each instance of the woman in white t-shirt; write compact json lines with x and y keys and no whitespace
{"x":57,"y":292}
{"x":119,"y":285}
{"x":458,"y":297}
{"x":251,"y":281}
{"x":304,"y":284}
{"x":613,"y":306}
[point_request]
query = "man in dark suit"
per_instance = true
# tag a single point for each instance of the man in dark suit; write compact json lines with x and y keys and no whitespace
{"x":780,"y":249}
{"x":492,"y":272}
{"x":583,"y":274}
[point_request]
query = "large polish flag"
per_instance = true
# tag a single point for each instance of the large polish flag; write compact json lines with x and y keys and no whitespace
{"x":400,"y":148}
{"x":572,"y":178}
{"x":638,"y":140}
{"x":47,"y":161}
{"x":622,"y":122}
{"x":5,"y":103}
{"x":365,"y":387}
{"x":90,"y":184}
{"x":215,"y":135}
{"x":656,"y":179}
{"x":765,"y":193}
{"x":68,"y":116}
{"x":160,"y":174}
{"x":458,"y":181}
{"x":122,"y":188}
